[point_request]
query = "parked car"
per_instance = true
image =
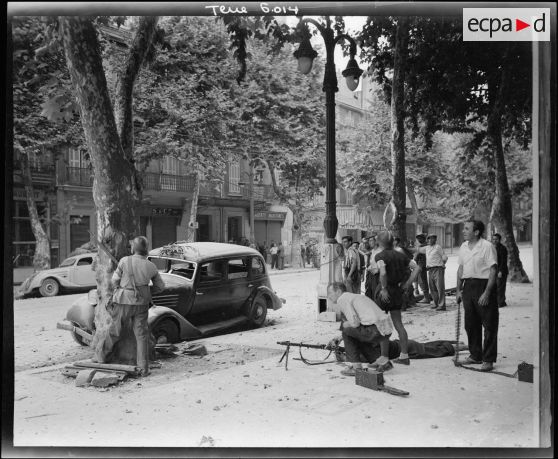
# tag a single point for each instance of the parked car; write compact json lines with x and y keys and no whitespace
{"x":74,"y":274}
{"x":209,"y":287}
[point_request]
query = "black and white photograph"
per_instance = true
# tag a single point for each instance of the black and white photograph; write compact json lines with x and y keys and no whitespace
{"x":260,"y":229}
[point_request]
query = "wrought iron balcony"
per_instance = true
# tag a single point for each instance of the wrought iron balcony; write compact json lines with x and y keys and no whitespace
{"x":41,"y":172}
{"x":77,"y":176}
{"x":167,"y":182}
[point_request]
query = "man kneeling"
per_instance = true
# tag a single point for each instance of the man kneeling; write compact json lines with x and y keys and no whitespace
{"x":363,"y":324}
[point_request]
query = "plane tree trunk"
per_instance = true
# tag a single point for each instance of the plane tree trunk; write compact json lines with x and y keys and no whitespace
{"x":41,"y":258}
{"x":501,"y":213}
{"x":116,"y":191}
{"x":191,"y":210}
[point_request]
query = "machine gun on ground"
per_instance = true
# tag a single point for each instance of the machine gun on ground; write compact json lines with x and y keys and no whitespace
{"x":338,"y":350}
{"x":371,"y":379}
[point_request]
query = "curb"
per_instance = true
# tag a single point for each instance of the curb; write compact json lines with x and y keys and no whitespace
{"x":290,"y":271}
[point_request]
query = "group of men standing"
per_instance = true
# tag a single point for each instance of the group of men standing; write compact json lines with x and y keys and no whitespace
{"x":391,"y":271}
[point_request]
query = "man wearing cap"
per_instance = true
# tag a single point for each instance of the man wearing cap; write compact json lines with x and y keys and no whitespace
{"x":132,"y":297}
{"x":436,"y":266}
{"x":394,"y":280}
{"x":420,"y":259}
{"x":476,"y":287}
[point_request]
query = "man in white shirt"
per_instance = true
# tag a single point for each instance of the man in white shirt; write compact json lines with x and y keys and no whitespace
{"x":436,"y":266}
{"x":476,"y":287}
{"x":363,"y":322}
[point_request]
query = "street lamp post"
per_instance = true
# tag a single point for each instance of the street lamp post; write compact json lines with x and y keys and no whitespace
{"x":305,"y":54}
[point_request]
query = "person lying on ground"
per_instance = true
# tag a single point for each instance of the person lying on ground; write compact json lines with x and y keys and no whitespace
{"x":369,"y":352}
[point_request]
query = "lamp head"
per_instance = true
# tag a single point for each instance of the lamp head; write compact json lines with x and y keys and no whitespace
{"x":352,"y":73}
{"x":305,"y":55}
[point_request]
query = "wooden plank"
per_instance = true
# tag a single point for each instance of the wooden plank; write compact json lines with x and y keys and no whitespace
{"x":107,"y":366}
{"x":72,"y":372}
{"x":86,"y":336}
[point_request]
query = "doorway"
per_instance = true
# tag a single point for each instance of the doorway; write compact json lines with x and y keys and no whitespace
{"x":234,"y":229}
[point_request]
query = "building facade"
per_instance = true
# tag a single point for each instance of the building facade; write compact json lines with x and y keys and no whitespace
{"x":63,"y":194}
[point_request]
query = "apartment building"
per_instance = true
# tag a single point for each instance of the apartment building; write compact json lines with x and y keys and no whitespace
{"x":63,"y":194}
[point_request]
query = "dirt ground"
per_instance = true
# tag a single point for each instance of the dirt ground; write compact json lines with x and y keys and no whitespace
{"x":240,"y":396}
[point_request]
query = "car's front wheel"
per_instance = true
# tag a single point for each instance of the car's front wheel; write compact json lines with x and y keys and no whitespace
{"x":49,"y":287}
{"x":166,"y":331}
{"x":78,"y":338}
{"x":258,"y":311}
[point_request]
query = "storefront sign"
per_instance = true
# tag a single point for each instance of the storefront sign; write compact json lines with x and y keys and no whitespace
{"x":38,"y":195}
{"x":166,"y":211}
{"x":270,"y":216}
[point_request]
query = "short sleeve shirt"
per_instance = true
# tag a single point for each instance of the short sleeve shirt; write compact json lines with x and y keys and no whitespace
{"x":361,"y":310}
{"x":397,"y":265}
{"x":434,"y":256}
{"x":478,"y":261}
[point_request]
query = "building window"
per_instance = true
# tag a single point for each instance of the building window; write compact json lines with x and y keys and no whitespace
{"x":234,"y":177}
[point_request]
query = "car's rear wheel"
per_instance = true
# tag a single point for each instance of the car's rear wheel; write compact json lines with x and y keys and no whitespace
{"x":166,"y":331}
{"x":49,"y":287}
{"x":78,"y":338}
{"x":258,"y":311}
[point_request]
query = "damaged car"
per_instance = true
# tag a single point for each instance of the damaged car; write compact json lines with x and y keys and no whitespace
{"x":209,"y":287}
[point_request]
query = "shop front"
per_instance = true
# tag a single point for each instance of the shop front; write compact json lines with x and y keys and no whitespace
{"x":160,"y":224}
{"x":267,"y":227}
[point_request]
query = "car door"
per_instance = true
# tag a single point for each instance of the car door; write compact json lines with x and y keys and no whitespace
{"x":210,"y":296}
{"x":84,"y":275}
{"x":239,"y":284}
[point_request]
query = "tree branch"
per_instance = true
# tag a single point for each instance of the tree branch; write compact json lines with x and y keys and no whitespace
{"x":125,"y":82}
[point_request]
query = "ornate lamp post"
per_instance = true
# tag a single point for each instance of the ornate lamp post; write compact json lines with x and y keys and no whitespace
{"x":306,"y":54}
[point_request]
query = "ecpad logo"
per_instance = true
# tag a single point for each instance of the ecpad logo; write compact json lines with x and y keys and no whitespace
{"x":506,"y":24}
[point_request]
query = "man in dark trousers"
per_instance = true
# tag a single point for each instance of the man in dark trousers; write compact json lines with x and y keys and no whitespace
{"x":502,"y":254}
{"x":476,"y":287}
{"x":362,"y":322}
{"x":436,"y":266}
{"x":132,"y":298}
{"x":394,"y":280}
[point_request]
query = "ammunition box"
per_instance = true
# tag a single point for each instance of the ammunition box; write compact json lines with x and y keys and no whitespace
{"x":370,"y":379}
{"x":525,"y":372}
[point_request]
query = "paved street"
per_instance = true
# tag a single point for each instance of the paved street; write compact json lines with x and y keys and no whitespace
{"x":238,"y":395}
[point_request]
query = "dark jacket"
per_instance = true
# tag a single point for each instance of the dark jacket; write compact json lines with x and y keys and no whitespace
{"x":502,"y":254}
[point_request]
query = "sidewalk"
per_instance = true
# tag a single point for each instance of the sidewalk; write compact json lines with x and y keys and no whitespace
{"x":240,"y":396}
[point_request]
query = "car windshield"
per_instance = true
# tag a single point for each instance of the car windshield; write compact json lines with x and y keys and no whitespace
{"x":181,"y":268}
{"x":68,"y":262}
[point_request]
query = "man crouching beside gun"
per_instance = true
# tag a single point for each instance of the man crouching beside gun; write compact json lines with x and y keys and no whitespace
{"x":363,"y":323}
{"x":366,"y":330}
